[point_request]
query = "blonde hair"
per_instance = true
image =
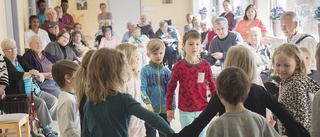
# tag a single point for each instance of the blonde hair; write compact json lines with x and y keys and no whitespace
{"x":292,"y":51}
{"x":240,"y":56}
{"x":7,"y":42}
{"x":128,"y":50}
{"x":304,"y":49}
{"x":50,"y":10}
{"x":108,"y":70}
{"x":155,"y":45}
{"x":81,"y":75}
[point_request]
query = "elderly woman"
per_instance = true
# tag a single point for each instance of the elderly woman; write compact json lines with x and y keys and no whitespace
{"x":77,"y":45}
{"x":169,"y":37}
{"x":20,"y":73}
{"x":263,"y":53}
{"x":34,"y":24}
{"x":250,"y":20}
{"x":51,"y":16}
{"x":141,"y":42}
{"x":42,"y":61}
{"x":108,"y":40}
{"x":105,"y":17}
{"x":59,"y":48}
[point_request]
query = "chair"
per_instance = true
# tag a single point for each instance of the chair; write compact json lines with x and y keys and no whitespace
{"x":14,"y":121}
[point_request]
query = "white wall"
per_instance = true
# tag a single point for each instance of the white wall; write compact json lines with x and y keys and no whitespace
{"x":122,"y":12}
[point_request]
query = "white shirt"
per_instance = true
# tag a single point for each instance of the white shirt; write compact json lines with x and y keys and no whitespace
{"x":41,"y":33}
{"x":68,"y":115}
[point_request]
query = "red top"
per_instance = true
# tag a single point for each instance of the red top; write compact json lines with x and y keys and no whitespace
{"x":193,"y":80}
{"x":211,"y":35}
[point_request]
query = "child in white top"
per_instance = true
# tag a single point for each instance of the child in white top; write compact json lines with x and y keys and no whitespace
{"x":63,"y":73}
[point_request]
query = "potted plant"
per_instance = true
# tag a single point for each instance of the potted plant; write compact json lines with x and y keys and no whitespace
{"x":203,"y":13}
{"x":239,"y":14}
{"x":316,"y":16}
{"x":275,"y":15}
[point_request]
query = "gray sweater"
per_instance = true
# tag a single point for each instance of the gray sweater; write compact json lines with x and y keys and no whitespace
{"x":222,"y":45}
{"x":56,"y":50}
{"x":241,"y":124}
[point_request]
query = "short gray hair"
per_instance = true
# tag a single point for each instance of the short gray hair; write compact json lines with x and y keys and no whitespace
{"x":162,"y":24}
{"x":292,"y":15}
{"x":221,"y":20}
{"x":6,"y":42}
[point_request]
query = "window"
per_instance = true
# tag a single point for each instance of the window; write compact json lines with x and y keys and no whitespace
{"x":305,"y":9}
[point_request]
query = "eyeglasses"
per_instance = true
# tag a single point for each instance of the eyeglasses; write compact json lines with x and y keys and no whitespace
{"x":11,"y":49}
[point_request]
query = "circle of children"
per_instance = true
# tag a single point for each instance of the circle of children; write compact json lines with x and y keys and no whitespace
{"x":115,"y":91}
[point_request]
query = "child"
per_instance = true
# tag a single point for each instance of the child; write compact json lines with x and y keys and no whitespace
{"x":193,"y":74}
{"x":136,"y":127}
{"x":309,"y":61}
{"x":315,"y":122}
{"x":63,"y":73}
{"x":80,"y":82}
{"x":295,"y":87}
{"x":108,"y":111}
{"x":232,"y":122}
{"x":258,"y":99}
{"x":154,"y":81}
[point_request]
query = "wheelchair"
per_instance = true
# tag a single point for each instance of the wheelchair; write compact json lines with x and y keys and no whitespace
{"x":20,"y":103}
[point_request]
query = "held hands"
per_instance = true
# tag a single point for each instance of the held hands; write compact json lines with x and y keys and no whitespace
{"x":149,"y":107}
{"x":217,"y":55}
{"x":47,"y":75}
{"x":38,"y":75}
{"x":170,"y":115}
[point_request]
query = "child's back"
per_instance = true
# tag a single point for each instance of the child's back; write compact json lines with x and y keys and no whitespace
{"x":241,"y":124}
{"x":111,"y":117}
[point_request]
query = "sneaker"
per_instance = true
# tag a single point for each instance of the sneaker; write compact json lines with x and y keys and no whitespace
{"x":49,"y":133}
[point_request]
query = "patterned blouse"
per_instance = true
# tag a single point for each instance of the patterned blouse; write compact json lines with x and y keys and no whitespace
{"x":294,"y":94}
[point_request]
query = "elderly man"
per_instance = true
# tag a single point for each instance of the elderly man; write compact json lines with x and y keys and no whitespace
{"x":20,"y":73}
{"x":53,"y":31}
{"x":224,"y":40}
{"x":290,"y":28}
{"x":128,"y":34}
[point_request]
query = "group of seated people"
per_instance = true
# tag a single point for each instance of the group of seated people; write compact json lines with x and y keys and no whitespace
{"x":55,"y":41}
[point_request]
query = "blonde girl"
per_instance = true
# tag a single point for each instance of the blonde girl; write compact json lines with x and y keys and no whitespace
{"x":295,"y":86}
{"x":136,"y":127}
{"x":80,"y":82}
{"x":107,"y":111}
{"x":243,"y":58}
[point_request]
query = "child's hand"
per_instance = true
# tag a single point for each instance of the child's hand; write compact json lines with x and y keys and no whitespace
{"x":149,"y":107}
{"x":170,"y":115}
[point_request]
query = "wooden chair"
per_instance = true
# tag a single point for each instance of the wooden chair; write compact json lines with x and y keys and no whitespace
{"x":14,"y":121}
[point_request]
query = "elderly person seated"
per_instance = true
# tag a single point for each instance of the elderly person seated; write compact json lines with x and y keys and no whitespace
{"x":141,"y":42}
{"x":128,"y":34}
{"x":20,"y":73}
{"x":42,"y":61}
{"x":59,"y":48}
{"x":77,"y":45}
{"x":262,"y":52}
{"x":169,"y":37}
{"x":109,"y":40}
{"x":222,"y":42}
